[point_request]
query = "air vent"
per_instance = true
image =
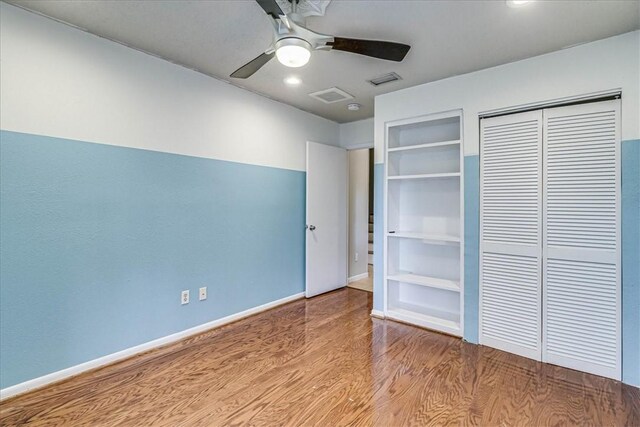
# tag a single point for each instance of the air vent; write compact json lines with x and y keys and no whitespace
{"x":387,"y":78}
{"x":329,"y":96}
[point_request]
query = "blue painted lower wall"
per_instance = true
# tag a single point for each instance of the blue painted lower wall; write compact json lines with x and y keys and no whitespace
{"x":378,"y":236}
{"x":98,"y":242}
{"x":631,"y":262}
{"x":471,"y":247}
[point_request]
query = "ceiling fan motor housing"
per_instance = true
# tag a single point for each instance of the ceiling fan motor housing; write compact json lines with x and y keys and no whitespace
{"x":292,"y":41}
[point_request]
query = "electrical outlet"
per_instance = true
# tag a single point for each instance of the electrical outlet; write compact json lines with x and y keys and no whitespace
{"x":184,"y":299}
{"x":203,"y":294}
{"x":356,"y":257}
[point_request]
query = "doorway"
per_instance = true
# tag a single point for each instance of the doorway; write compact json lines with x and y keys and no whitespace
{"x":361,"y":247}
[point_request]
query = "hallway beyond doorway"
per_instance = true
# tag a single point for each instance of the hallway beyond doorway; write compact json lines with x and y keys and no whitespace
{"x":364,"y":284}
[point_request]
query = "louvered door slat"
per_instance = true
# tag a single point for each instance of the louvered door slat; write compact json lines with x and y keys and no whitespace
{"x":511,"y":175}
{"x":581,"y":321}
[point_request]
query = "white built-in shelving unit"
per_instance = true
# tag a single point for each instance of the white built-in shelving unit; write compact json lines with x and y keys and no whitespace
{"x":423,"y":223}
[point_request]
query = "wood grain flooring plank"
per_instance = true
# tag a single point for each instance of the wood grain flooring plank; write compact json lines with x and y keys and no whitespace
{"x":326,"y":362}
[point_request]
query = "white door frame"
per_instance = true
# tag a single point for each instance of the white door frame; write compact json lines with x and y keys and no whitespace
{"x":362,"y":146}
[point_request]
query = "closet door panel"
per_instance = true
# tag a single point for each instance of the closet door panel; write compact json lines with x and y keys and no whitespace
{"x":581,"y":234}
{"x":510,"y":303}
{"x":510,"y":228}
{"x":581,"y":315}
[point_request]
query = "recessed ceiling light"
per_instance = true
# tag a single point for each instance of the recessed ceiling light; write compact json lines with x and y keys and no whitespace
{"x":517,"y":3}
{"x":292,"y":81}
{"x":354,"y":106}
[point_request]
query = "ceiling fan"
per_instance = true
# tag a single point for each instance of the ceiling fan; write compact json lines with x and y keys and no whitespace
{"x":293,"y":42}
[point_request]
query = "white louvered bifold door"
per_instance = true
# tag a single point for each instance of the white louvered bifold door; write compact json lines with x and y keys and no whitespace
{"x":581,"y":309}
{"x":511,"y":233}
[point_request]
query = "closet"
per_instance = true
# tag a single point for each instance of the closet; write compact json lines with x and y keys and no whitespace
{"x":550,"y":235}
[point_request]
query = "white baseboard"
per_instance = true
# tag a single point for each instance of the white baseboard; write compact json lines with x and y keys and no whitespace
{"x":377,"y":314}
{"x":126,"y":353}
{"x":357,"y":277}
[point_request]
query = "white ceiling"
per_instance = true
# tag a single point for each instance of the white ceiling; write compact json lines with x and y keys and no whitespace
{"x":448,"y":38}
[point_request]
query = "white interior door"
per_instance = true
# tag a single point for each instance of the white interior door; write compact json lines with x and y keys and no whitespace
{"x":511,"y":233}
{"x":327,"y":219}
{"x":582,"y":237}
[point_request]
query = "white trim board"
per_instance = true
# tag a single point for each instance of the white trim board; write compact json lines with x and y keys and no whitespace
{"x":359,"y":146}
{"x":552,"y":103}
{"x":378,"y":314}
{"x":72,"y":371}
{"x":357,"y":277}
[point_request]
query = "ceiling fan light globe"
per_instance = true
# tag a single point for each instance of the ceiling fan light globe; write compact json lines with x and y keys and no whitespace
{"x":293,"y":53}
{"x":517,"y":3}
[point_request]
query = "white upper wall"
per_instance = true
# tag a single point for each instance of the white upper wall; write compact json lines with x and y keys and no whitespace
{"x":357,"y":134}
{"x":59,"y":81}
{"x":612,"y":63}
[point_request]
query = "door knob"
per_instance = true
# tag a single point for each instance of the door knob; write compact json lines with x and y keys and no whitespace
{"x":312,"y":227}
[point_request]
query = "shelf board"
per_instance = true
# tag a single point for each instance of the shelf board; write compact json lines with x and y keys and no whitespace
{"x":427,"y":145}
{"x":425,"y":176}
{"x":426,"y":321}
{"x":438,"y":238}
{"x":430,"y":282}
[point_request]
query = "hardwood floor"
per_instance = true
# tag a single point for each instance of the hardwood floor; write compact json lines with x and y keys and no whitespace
{"x":326,"y":362}
{"x":364,"y":284}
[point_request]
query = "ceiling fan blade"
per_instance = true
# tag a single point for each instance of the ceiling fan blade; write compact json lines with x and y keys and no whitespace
{"x":271,"y":7}
{"x":252,"y":66}
{"x":375,"y":48}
